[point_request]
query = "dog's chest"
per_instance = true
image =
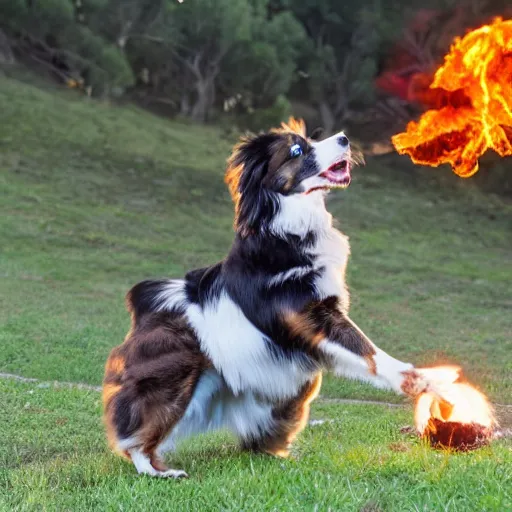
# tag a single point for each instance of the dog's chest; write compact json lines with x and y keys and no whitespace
{"x":330,"y":256}
{"x":241,"y":353}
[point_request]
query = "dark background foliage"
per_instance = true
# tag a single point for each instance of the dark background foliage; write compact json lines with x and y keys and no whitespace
{"x":246,"y":63}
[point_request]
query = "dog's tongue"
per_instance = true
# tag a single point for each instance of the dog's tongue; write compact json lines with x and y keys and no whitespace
{"x":338,"y":173}
{"x":339,"y":176}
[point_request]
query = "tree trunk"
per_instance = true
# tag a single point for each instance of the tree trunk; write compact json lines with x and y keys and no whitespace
{"x":327,"y":117}
{"x":205,"y":99}
{"x":123,"y":37}
{"x":6,"y":55}
{"x":184,"y":105}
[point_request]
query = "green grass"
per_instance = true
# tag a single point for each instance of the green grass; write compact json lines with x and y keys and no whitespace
{"x":358,"y":459}
{"x":97,"y":197}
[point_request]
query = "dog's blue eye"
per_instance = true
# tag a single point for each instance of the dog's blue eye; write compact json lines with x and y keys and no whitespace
{"x":295,"y":151}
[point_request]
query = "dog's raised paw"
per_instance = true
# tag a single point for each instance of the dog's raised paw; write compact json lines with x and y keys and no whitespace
{"x":437,"y":380}
{"x":414,"y":383}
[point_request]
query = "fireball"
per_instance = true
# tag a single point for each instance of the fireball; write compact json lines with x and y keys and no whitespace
{"x":478,"y":73}
{"x":462,"y":419}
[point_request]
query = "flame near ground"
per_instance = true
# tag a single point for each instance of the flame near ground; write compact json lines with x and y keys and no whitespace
{"x":453,"y":414}
{"x":479,"y":69}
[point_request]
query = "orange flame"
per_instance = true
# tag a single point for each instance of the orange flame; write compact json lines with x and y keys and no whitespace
{"x":455,"y":415}
{"x":479,"y":69}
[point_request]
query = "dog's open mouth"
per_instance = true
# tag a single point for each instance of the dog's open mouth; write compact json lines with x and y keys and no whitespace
{"x":338,"y":174}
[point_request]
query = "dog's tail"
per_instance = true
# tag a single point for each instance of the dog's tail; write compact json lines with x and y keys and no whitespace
{"x":156,"y":295}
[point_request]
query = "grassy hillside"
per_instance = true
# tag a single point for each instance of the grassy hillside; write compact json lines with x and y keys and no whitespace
{"x":97,"y":197}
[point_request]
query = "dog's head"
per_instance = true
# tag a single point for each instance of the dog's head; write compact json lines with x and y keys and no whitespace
{"x":284,"y":166}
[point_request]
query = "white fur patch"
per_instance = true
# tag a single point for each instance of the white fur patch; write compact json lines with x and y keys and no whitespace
{"x":301,"y":213}
{"x":143,"y":466}
{"x":173,"y":296}
{"x":201,"y":414}
{"x":347,"y":364}
{"x":214,"y":407}
{"x":127,"y":443}
{"x":240,"y":354}
{"x":329,"y":151}
{"x":331,"y":252}
{"x":391,"y":369}
{"x":245,"y":416}
{"x":293,"y":273}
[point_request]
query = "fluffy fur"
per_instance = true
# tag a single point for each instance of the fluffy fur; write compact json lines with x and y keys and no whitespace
{"x":242,"y":344}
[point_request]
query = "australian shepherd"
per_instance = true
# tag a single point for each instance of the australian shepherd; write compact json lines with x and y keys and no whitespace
{"x":242,"y":344}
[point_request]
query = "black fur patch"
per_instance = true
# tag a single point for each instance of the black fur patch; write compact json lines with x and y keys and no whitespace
{"x":127,"y":416}
{"x":142,"y":298}
{"x":204,"y":285}
{"x":327,"y":317}
{"x":260,"y":170}
{"x":249,"y":271}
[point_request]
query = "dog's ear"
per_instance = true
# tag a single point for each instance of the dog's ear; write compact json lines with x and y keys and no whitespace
{"x":293,"y":125}
{"x":249,"y":150}
{"x":317,"y":133}
{"x":232,"y":178}
{"x":246,"y":170}
{"x":257,"y":205}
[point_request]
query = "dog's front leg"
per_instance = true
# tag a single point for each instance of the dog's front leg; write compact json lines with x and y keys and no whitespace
{"x":348,"y":352}
{"x":351,"y":354}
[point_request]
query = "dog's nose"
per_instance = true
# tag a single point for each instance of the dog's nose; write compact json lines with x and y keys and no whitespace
{"x":343,"y":141}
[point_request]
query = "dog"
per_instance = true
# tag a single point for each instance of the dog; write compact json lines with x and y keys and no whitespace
{"x":242,"y":345}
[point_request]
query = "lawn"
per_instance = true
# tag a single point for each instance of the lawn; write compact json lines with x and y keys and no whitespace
{"x":359,"y":460}
{"x":96,"y":197}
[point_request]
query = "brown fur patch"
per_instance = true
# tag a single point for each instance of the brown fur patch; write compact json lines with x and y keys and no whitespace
{"x":149,"y":380}
{"x":115,"y":365}
{"x":372,"y":366}
{"x":329,"y":318}
{"x":293,"y":125}
{"x":301,"y":324}
{"x":290,"y":417}
{"x":232,"y":177}
{"x":279,"y":153}
{"x":109,"y":391}
{"x":158,"y":463}
{"x":324,"y":319}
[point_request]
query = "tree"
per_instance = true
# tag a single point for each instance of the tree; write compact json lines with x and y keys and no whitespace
{"x":197,"y":54}
{"x":266,"y":63}
{"x":50,"y":33}
{"x":207,"y":31}
{"x":341,"y":60}
{"x":121,"y":20}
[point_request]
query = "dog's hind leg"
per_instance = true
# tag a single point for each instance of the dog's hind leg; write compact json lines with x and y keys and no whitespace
{"x":147,"y":466}
{"x":149,"y":383}
{"x":152,"y":400}
{"x":288,"y":420}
